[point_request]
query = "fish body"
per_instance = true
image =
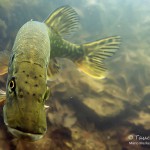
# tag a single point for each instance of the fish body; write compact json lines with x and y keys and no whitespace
{"x":33,"y":62}
{"x":26,"y":83}
{"x":64,"y":49}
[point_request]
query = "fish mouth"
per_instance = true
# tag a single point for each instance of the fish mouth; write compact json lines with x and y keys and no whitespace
{"x":25,"y":135}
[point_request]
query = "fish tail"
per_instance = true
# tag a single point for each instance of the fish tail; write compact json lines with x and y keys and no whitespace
{"x":63,"y":20}
{"x":95,"y":53}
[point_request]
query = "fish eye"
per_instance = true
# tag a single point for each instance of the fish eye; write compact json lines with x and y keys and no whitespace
{"x":12,"y":85}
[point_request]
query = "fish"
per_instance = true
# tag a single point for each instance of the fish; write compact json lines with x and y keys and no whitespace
{"x":34,"y":61}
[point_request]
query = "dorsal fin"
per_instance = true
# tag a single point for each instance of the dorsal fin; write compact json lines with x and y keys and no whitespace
{"x":63,"y":20}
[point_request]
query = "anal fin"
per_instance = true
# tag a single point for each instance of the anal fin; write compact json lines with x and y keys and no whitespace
{"x":96,"y":52}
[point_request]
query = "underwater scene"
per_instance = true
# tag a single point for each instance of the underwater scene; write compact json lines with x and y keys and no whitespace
{"x":74,"y":75}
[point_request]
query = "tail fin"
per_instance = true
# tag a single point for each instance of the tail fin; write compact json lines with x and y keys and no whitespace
{"x":95,"y":53}
{"x":63,"y":20}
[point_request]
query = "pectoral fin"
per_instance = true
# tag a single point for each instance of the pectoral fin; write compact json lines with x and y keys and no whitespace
{"x":53,"y":69}
{"x":4,"y":59}
{"x":2,"y":97}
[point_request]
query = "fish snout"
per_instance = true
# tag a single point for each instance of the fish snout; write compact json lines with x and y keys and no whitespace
{"x":26,"y":125}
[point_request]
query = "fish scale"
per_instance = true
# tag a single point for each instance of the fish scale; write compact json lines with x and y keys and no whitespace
{"x":32,"y":43}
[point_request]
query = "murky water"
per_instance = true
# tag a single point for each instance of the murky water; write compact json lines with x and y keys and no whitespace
{"x":85,"y":113}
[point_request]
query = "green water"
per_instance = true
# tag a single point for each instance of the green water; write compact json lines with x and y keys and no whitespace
{"x":85,"y":113}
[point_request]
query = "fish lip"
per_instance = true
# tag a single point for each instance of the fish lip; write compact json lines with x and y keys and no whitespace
{"x":25,"y":135}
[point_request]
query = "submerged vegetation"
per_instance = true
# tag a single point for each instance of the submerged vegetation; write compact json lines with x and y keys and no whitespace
{"x":84,"y":113}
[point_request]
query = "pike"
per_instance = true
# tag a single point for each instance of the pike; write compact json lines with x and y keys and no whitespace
{"x":33,"y":62}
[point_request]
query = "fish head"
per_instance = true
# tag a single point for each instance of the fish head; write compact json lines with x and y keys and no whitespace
{"x":24,"y":111}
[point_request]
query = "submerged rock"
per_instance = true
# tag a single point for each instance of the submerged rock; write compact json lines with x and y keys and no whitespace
{"x":105,"y":106}
{"x":142,"y":120}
